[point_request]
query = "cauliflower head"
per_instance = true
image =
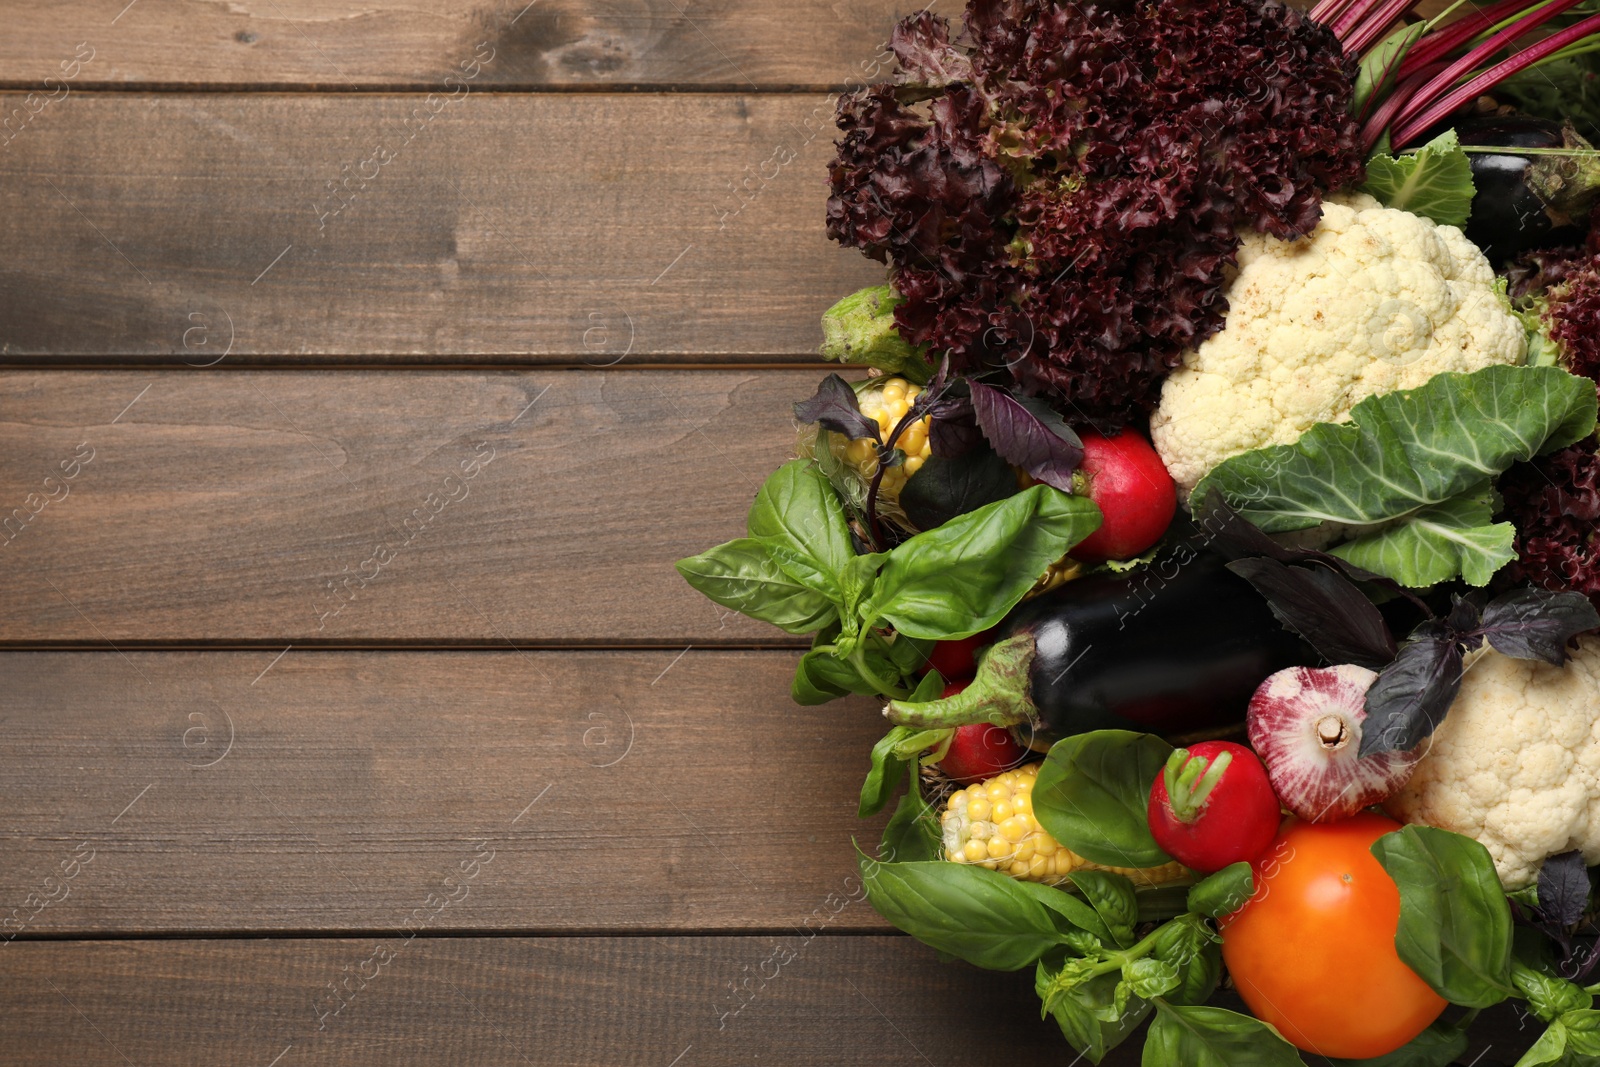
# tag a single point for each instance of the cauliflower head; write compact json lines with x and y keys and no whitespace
{"x":1372,"y":301}
{"x":1516,"y":763}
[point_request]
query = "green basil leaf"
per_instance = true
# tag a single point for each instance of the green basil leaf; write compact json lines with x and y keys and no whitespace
{"x":1404,"y":451}
{"x":1583,"y":1036}
{"x":1455,"y":924}
{"x":910,"y":654}
{"x":742,"y":576}
{"x":1150,"y":977}
{"x":894,"y":750}
{"x":1076,"y":914}
{"x":1224,"y":892}
{"x":1113,"y":899}
{"x":1079,"y":1012}
{"x":820,"y":677}
{"x":1158,"y":903}
{"x":964,"y":576}
{"x":1549,"y":997}
{"x":855,"y":585}
{"x":1437,"y":543}
{"x":1193,"y":950}
{"x":1378,"y":66}
{"x":1093,"y":795}
{"x":1550,"y":1048}
{"x":1200,"y":1036}
{"x":969,"y":912}
{"x":912,"y":834}
{"x":1437,"y":1046}
{"x":1435,"y":181}
{"x":798,"y":519}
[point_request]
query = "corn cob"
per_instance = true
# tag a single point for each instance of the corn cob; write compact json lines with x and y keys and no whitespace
{"x":991,"y":824}
{"x":888,"y":405}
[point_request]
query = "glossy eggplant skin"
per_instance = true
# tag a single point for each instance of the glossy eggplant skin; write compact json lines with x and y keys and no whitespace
{"x":1177,"y":646}
{"x":1509,"y":214}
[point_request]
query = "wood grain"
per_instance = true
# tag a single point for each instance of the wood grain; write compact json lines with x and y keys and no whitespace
{"x":598,"y":229}
{"x":332,"y":791}
{"x":343,"y":45}
{"x":601,"y":1001}
{"x":337,"y":507}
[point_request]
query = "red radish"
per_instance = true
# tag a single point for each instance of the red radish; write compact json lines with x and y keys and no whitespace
{"x":1213,"y":806}
{"x":1136,"y":495}
{"x":959,"y":659}
{"x":979,"y":750}
{"x":1306,"y":724}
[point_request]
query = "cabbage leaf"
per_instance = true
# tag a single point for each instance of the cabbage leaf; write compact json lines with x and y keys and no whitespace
{"x":1458,"y":536}
{"x":1435,"y":181}
{"x":1402,"y":462}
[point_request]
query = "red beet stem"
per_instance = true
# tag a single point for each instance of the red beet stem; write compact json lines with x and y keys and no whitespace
{"x":1440,"y":109}
{"x":1443,"y":41}
{"x":1328,"y":10}
{"x":1351,"y":17}
{"x":1475,"y":58}
{"x":1377,"y":27}
{"x":1397,"y":98}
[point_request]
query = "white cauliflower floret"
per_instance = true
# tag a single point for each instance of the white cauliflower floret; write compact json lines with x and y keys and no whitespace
{"x":1516,"y":763}
{"x":1373,"y":300}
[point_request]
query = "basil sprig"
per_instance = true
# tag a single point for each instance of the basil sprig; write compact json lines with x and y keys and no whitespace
{"x":798,"y":570}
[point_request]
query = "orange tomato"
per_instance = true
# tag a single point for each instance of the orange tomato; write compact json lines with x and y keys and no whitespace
{"x":1312,"y":951}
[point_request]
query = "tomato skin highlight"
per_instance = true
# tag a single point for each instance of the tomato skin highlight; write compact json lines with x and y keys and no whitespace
{"x":1312,"y":952}
{"x":1238,"y":820}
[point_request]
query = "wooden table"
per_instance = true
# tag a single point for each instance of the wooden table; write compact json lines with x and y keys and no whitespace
{"x":366,"y":366}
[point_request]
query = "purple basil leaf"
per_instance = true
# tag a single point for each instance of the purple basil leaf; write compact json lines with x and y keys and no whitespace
{"x":835,"y":406}
{"x":954,"y":438}
{"x":1323,"y":607}
{"x":1237,"y":536}
{"x":1028,"y":436}
{"x":1564,"y":889}
{"x":1537,"y":623}
{"x":1410,"y":697}
{"x":944,"y":488}
{"x":1462,"y":622}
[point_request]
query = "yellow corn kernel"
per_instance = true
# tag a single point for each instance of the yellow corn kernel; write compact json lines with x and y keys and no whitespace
{"x":991,"y":824}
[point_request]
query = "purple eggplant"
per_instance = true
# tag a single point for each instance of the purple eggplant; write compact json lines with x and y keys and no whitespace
{"x":1528,"y":201}
{"x":1177,"y":646}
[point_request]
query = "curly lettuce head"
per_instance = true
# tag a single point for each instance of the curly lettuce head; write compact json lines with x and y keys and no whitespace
{"x":1059,"y":192}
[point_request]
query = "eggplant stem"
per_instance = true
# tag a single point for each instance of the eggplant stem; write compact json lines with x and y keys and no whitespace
{"x":1494,"y":76}
{"x":999,"y":695}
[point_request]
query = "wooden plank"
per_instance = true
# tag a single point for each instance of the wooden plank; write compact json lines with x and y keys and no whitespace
{"x":661,"y":1002}
{"x":334,"y":791}
{"x":880,"y":1000}
{"x":592,"y":229}
{"x":569,"y":44}
{"x":347,"y":507}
